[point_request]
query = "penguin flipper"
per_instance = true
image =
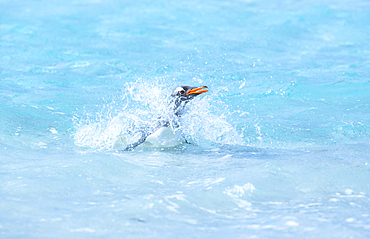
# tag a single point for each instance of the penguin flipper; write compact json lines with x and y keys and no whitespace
{"x":130,"y":147}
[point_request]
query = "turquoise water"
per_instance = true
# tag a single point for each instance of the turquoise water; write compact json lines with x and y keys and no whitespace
{"x":279,"y":144}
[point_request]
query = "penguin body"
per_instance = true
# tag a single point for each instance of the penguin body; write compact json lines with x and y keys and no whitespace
{"x":164,"y":137}
{"x":167,"y":134}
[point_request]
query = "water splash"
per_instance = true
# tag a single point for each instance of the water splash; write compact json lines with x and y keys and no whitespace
{"x":140,"y":106}
{"x":237,"y":194}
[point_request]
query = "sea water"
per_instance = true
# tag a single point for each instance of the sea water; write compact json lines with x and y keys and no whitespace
{"x":279,"y":145}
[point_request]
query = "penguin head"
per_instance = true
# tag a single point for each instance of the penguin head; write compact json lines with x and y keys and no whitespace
{"x":186,"y":93}
{"x":183,"y":94}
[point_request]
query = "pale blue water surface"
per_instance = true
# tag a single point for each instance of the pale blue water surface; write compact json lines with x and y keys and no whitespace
{"x":280,"y":143}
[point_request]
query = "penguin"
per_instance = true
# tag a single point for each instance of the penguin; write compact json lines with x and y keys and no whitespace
{"x":166,"y":133}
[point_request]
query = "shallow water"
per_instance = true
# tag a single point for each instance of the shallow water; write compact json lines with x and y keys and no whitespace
{"x":279,"y":144}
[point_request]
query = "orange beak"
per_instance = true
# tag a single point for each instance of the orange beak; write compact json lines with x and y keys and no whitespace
{"x":198,"y":90}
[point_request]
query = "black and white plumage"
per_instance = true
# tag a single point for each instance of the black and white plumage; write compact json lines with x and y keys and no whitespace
{"x":182,"y":95}
{"x":165,"y":133}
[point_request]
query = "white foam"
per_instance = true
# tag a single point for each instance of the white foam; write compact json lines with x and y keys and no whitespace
{"x":83,"y":230}
{"x":239,"y":191}
{"x":292,"y":223}
{"x":350,"y":219}
{"x":53,"y":131}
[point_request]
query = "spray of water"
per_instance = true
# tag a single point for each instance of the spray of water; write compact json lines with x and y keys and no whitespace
{"x":140,"y":107}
